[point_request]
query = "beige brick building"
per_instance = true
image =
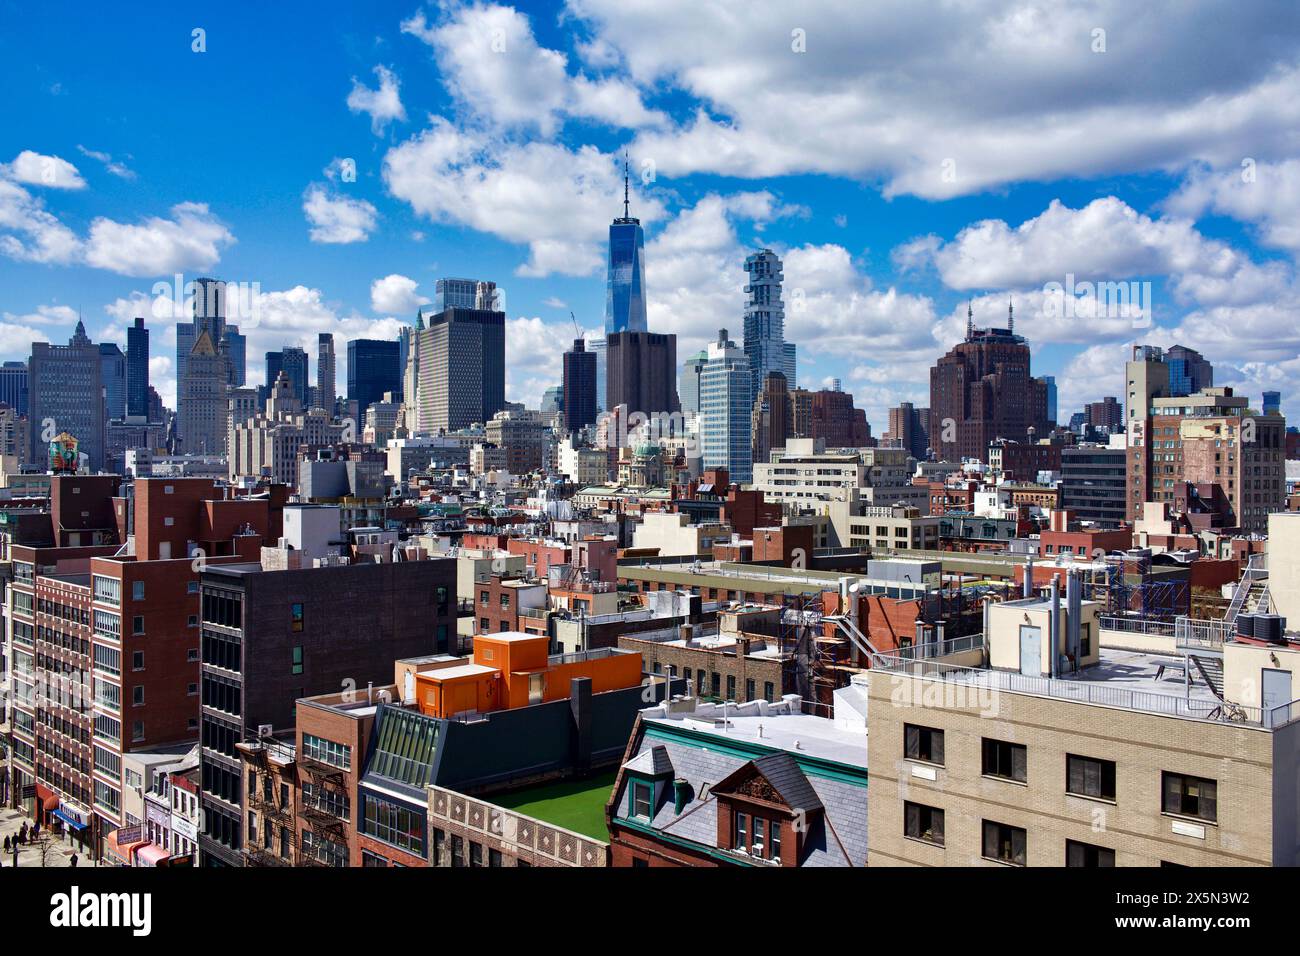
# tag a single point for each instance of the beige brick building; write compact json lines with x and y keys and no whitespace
{"x":1130,"y":760}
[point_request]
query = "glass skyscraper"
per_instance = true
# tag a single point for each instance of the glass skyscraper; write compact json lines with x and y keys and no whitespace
{"x":625,"y":286}
{"x":726,"y":408}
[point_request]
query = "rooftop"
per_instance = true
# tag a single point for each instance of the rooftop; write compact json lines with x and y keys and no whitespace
{"x":577,"y":805}
{"x":769,"y":726}
{"x":1126,"y":680}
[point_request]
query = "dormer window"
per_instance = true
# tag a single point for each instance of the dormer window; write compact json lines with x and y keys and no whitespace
{"x":642,"y":800}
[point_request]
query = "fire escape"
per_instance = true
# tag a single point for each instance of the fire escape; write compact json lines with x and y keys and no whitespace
{"x":263,"y":800}
{"x":325,"y":823}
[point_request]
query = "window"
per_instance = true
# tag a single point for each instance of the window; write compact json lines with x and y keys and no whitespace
{"x":137,"y":660}
{"x":749,"y":688}
{"x":327,"y":751}
{"x":1086,"y":777}
{"x":923,"y":743}
{"x":1006,"y":760}
{"x":740,"y":833}
{"x":394,"y":823}
{"x":297,"y":659}
{"x":769,"y":691}
{"x":774,"y":840}
{"x":923,"y":823}
{"x":295,"y":617}
{"x":731,"y":687}
{"x":1085,"y":854}
{"x":1003,"y":843}
{"x":642,"y":794}
{"x":137,"y":624}
{"x":137,"y":590}
{"x":1190,"y":796}
{"x":137,"y":695}
{"x":1085,"y":640}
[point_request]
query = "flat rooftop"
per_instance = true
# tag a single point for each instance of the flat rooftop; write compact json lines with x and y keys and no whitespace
{"x":577,"y":805}
{"x":453,"y":673}
{"x":797,"y":733}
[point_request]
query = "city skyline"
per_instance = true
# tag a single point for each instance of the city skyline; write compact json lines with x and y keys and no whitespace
{"x":884,"y":251}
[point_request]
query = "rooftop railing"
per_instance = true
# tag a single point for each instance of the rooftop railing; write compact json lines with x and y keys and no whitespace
{"x":1136,"y":625}
{"x":1097,"y":692}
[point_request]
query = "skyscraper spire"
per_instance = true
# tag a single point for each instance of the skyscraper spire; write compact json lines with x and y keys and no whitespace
{"x":626,"y":213}
{"x":1011,"y":316}
{"x":970,"y":321}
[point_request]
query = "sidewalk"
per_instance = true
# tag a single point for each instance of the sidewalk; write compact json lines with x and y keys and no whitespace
{"x":49,"y":851}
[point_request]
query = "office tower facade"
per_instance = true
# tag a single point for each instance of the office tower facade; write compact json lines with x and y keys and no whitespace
{"x":1106,"y":414}
{"x":1050,"y":381}
{"x":771,"y":418}
{"x":274,"y":366}
{"x":726,"y":410}
{"x":1272,"y":403}
{"x":205,"y":408}
{"x":790,"y":352}
{"x":208,"y":312}
{"x":689,"y":388}
{"x":294,"y":363}
{"x":113,"y":375}
{"x":599,"y":347}
{"x":579,"y":401}
{"x":13,"y":386}
{"x":458,"y":370}
{"x":765,"y":318}
{"x":466,"y":294}
{"x":234,"y":346}
{"x":66,"y":394}
{"x":1189,"y":372}
{"x":137,"y":369}
{"x":625,"y":277}
{"x":1093,"y":484}
{"x":642,"y":372}
{"x":374,"y":367}
{"x":909,"y":428}
{"x":1208,"y":451}
{"x":836,"y":421}
{"x":983,"y":389}
{"x":325,"y":382}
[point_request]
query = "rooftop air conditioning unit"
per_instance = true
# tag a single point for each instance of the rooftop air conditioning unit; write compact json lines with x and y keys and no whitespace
{"x":264,"y":730}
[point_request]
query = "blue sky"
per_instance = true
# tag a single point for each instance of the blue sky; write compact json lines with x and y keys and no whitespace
{"x":903,"y":158}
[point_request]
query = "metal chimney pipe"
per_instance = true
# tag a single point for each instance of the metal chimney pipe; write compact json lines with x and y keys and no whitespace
{"x":1029,"y":578}
{"x":1054,"y":630}
{"x":1074,"y":608}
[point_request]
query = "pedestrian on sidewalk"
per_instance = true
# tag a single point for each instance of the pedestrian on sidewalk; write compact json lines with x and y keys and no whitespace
{"x":73,"y":861}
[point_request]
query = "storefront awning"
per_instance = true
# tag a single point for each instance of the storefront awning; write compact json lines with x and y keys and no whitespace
{"x":121,"y":851}
{"x":150,"y":855}
{"x":50,"y":802}
{"x":69,"y":819}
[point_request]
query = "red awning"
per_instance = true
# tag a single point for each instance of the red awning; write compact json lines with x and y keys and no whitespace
{"x":121,"y":850}
{"x":51,"y":802}
{"x":150,"y":855}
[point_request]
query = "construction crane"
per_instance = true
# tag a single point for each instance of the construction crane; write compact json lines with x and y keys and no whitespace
{"x":576,"y":330}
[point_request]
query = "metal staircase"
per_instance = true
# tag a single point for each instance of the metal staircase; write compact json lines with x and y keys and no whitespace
{"x":1251,"y":594}
{"x":1211,"y":671}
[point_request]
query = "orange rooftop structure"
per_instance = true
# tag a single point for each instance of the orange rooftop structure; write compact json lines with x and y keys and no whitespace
{"x":511,"y":669}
